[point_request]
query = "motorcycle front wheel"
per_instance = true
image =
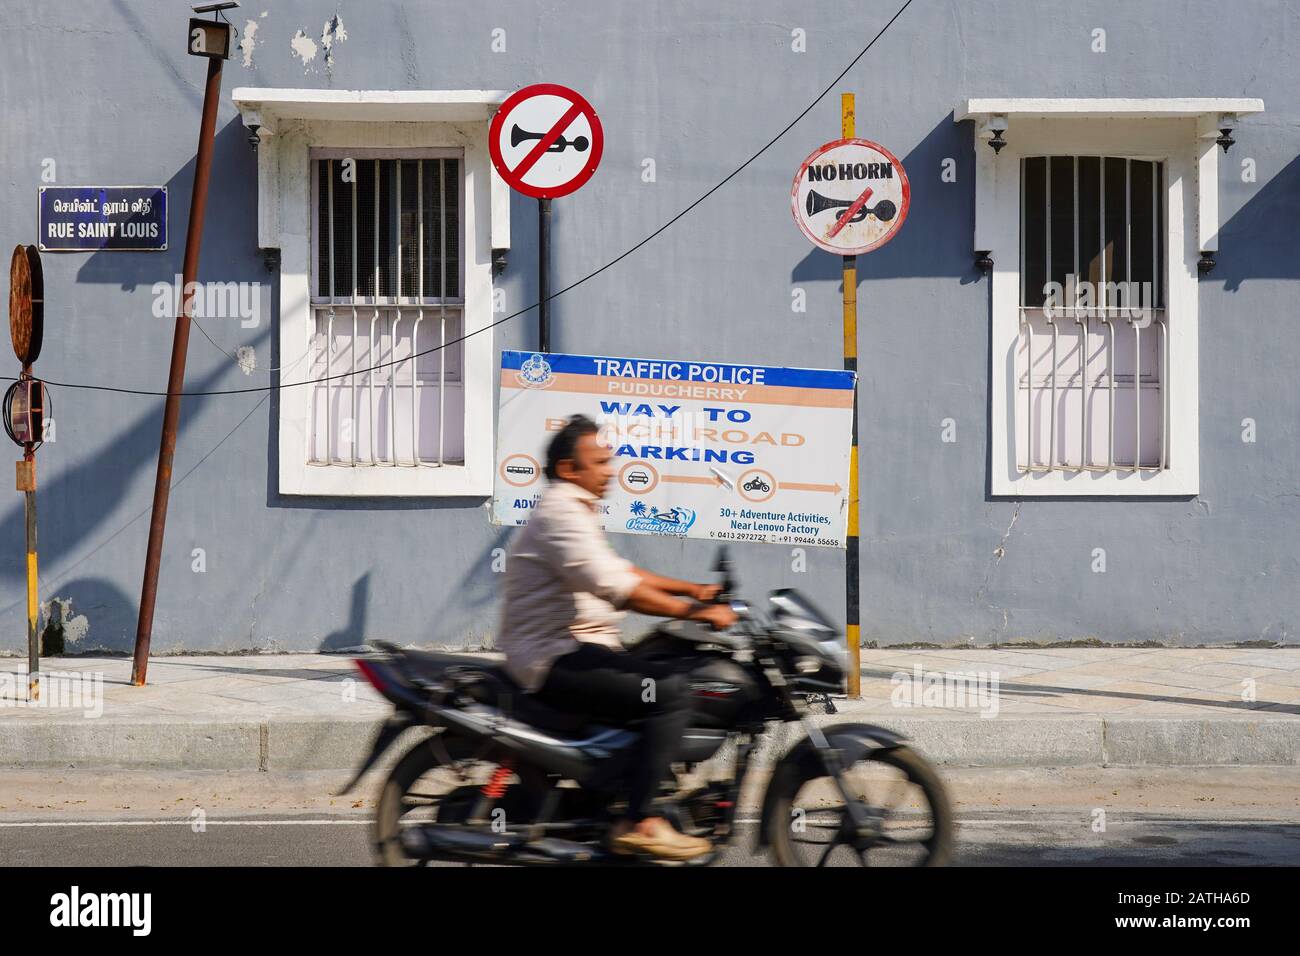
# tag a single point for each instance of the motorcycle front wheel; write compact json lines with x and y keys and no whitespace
{"x":901,"y":792}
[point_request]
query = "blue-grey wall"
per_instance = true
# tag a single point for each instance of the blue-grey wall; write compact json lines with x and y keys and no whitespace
{"x":106,"y":90}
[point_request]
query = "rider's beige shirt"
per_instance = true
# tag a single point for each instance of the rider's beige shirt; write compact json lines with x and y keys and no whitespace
{"x":564,"y":585}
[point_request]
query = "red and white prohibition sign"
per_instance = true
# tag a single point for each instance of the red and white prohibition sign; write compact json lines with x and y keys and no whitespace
{"x":545,"y":141}
{"x":850,"y":196}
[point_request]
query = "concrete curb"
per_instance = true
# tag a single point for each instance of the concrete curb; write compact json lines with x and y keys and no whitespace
{"x":330,"y":744}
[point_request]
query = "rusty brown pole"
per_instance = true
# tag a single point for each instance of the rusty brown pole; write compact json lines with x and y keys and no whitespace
{"x":176,"y":377}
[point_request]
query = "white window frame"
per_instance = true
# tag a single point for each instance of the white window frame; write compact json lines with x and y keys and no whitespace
{"x":1179,"y":133}
{"x":290,"y":125}
{"x":364,"y":304}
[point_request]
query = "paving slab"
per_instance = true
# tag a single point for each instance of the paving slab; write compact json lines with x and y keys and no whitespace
{"x":1064,"y":707}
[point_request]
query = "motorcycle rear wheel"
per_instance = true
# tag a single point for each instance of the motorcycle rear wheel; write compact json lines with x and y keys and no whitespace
{"x":809,"y":824}
{"x":407,"y":796}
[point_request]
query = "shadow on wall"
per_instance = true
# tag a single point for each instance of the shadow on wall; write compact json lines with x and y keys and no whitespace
{"x":87,"y":494}
{"x":352,"y":634}
{"x":476,"y":592}
{"x":97,"y":485}
{"x":935,"y":241}
{"x":477,"y":589}
{"x":93,"y":615}
{"x":1259,"y":242}
{"x":229,"y":224}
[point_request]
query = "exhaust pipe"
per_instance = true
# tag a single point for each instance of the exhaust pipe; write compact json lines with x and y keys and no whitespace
{"x":431,"y":839}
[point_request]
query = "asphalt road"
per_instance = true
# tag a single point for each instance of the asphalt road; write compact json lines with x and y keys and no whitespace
{"x":1194,"y":816}
{"x":994,"y":839}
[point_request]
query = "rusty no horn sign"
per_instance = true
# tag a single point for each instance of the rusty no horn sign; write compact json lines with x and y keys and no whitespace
{"x":850,"y":196}
{"x":829,"y":172}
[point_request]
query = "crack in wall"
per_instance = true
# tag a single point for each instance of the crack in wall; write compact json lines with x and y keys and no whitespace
{"x":1001,"y":550}
{"x":999,"y":553}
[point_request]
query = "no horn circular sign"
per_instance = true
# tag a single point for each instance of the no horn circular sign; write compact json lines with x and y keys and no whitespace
{"x":850,"y":196}
{"x":545,"y":140}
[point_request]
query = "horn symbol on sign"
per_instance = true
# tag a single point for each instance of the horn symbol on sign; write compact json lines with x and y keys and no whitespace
{"x":579,"y":143}
{"x":883,"y":210}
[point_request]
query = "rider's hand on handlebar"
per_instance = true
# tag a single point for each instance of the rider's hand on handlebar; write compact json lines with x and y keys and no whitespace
{"x":707,"y":593}
{"x":717,"y":616}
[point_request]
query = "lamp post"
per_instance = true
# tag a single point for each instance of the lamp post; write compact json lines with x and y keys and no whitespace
{"x":210,"y":39}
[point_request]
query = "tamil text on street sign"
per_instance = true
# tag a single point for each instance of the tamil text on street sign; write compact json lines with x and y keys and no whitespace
{"x":850,"y":196}
{"x":702,"y":449}
{"x":87,"y":218}
{"x":545,"y":141}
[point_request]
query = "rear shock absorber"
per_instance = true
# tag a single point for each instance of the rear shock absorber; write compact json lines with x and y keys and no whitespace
{"x":490,"y":793}
{"x":495,"y":788}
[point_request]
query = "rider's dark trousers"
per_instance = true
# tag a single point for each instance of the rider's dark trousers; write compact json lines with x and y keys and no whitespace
{"x":622,"y":687}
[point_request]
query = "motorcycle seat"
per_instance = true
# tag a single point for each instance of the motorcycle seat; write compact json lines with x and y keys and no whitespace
{"x":488,"y":683}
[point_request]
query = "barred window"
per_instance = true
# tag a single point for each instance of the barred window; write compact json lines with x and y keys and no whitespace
{"x":387,"y":287}
{"x":1092,"y":358}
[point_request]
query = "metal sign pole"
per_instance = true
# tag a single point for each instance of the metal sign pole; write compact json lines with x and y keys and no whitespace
{"x":543,"y":275}
{"x":27,"y":481}
{"x":176,"y":377}
{"x":852,"y":630}
{"x":24,"y":408}
{"x":545,"y":141}
{"x":850,"y":197}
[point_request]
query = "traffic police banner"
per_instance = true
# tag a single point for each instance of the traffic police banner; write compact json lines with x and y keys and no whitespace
{"x":702,"y":449}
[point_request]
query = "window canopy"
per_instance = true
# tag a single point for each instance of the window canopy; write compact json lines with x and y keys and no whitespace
{"x":996,"y":119}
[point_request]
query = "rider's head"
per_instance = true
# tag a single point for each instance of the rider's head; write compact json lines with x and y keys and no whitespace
{"x":577,"y":454}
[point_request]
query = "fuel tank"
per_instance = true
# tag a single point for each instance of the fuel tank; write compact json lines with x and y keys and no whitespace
{"x":722,"y":692}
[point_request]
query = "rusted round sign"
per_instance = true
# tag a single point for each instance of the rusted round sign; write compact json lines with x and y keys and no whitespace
{"x":26,"y":303}
{"x":850,"y":196}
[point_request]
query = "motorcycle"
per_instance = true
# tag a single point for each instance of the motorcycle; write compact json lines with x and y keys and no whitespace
{"x":503,"y":778}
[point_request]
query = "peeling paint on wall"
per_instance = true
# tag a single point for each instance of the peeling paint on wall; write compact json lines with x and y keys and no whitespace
{"x":304,"y":48}
{"x":247,"y":359}
{"x":248,"y":41}
{"x":334,"y":32}
{"x":62,"y":627}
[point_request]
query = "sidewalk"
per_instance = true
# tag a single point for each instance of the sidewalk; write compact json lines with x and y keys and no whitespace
{"x":1069,"y":707}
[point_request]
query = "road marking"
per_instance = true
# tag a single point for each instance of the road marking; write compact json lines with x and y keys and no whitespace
{"x":1000,"y":822}
{"x":187,"y":823}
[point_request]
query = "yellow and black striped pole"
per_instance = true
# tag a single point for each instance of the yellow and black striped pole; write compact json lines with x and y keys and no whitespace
{"x":852,"y":631}
{"x":27,"y":485}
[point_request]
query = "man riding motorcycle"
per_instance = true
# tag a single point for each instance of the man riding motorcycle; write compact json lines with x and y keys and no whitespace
{"x":566,"y":591}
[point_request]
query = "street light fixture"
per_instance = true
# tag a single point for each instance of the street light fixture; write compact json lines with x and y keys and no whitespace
{"x":211,"y":38}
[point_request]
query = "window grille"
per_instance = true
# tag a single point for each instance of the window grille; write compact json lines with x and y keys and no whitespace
{"x":1092,"y":357}
{"x":387,"y":287}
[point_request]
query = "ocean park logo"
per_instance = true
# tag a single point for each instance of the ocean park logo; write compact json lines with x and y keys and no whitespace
{"x":673,"y":521}
{"x":535,"y":372}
